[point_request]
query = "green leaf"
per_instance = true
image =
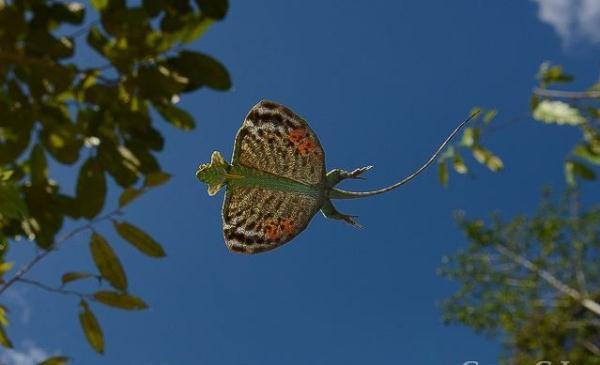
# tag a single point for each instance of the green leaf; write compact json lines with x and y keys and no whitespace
{"x":494,"y":163}
{"x":458,"y":164}
{"x":489,"y":115}
{"x":548,"y":74}
{"x":97,"y":40}
{"x":3,"y":319}
{"x":4,"y":340}
{"x":107,"y":262}
{"x":447,"y":154}
{"x":569,"y":175}
{"x":139,"y":239}
{"x":156,"y":178}
{"x":59,"y":135}
{"x":69,"y":205}
{"x":99,"y":4}
{"x":12,"y":205}
{"x":585,"y":152}
{"x":584,"y":172}
{"x":91,"y":328}
{"x":480,"y":154}
{"x":534,"y":101}
{"x":468,"y":137}
{"x":13,"y":140}
{"x":476,"y":111}
{"x":487,"y":158}
{"x":120,"y":300}
{"x":120,"y":163}
{"x":201,"y":70}
{"x":216,"y":9}
{"x":38,"y":165}
{"x":557,"y":112}
{"x":87,"y":81}
{"x":576,"y":169}
{"x":152,"y":7}
{"x":195,"y":28}
{"x":128,"y":195}
{"x":71,"y":12}
{"x":91,"y":188}
{"x":56,"y":360}
{"x":443,"y":173}
{"x":39,"y":41}
{"x":172,"y":23}
{"x":5,"y":175}
{"x":75,"y":275}
{"x":160,"y":82}
{"x":100,"y":94}
{"x":176,"y":116}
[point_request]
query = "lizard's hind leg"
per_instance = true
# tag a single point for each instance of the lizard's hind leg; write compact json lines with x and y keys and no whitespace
{"x":330,"y":212}
{"x":336,"y":175}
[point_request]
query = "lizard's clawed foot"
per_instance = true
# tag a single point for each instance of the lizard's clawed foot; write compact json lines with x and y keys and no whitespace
{"x":337,"y":175}
{"x":350,"y":220}
{"x":355,"y":174}
{"x":330,"y":212}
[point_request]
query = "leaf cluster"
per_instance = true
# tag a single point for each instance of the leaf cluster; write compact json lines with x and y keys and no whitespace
{"x":471,"y":142}
{"x":580,"y":110}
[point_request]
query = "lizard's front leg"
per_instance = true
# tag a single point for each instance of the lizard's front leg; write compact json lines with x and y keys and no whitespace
{"x":336,"y":175}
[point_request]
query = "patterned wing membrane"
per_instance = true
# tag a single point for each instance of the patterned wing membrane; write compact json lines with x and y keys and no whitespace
{"x":274,"y":139}
{"x":257,"y":219}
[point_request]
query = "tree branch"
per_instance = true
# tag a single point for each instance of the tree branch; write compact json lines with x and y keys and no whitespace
{"x":591,"y":347}
{"x":567,"y":94}
{"x":42,"y":254}
{"x":550,"y":279}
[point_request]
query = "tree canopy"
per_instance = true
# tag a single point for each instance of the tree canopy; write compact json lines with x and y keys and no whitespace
{"x":98,"y":119}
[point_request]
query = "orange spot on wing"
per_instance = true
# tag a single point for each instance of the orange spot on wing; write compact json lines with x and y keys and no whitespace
{"x":303,"y":141}
{"x":287,"y":226}
{"x":297,"y":135}
{"x":279,"y":229}
{"x":306,"y":146}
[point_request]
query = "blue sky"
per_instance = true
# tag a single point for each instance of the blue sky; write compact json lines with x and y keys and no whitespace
{"x":381,"y":83}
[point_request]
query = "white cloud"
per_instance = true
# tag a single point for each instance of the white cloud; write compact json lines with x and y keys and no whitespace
{"x":573,"y":20}
{"x":31,"y":355}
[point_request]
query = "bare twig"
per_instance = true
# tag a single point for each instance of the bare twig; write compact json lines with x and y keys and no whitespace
{"x":567,"y":94}
{"x":509,"y":122}
{"x":42,"y":254}
{"x":55,"y":290}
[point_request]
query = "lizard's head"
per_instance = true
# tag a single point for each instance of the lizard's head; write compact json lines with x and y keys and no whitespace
{"x":213,"y":173}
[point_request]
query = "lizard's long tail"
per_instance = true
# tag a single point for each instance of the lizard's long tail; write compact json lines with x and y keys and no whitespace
{"x":343,"y":194}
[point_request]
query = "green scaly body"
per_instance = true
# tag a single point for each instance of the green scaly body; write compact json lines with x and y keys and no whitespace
{"x":240,"y":176}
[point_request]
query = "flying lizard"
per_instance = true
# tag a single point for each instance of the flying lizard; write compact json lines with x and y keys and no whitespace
{"x":276,"y":181}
